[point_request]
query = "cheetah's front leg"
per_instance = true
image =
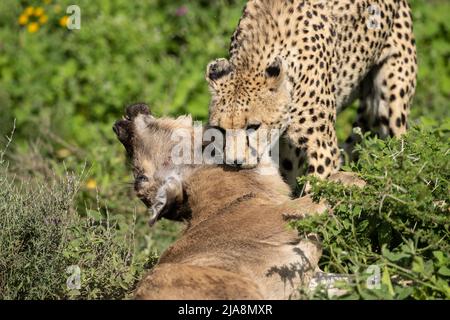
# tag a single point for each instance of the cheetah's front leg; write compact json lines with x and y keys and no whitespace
{"x":312,"y":132}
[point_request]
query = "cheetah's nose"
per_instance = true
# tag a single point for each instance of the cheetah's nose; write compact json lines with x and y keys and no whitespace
{"x":237,"y":163}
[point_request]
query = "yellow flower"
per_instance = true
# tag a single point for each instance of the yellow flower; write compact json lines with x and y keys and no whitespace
{"x":38,"y":11}
{"x":29,"y":11}
{"x":43,"y":19}
{"x":91,"y":184}
{"x":33,"y":27}
{"x":63,"y":21}
{"x":63,"y":153}
{"x":23,"y":19}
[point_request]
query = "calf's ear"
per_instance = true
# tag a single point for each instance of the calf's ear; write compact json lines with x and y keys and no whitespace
{"x":124,"y":131}
{"x":167,"y":197}
{"x":136,"y":109}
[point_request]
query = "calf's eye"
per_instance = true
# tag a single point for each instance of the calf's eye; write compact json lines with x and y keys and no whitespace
{"x":141,"y":178}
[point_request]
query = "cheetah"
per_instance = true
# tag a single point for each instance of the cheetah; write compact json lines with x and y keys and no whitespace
{"x":295,"y":64}
{"x":236,"y":244}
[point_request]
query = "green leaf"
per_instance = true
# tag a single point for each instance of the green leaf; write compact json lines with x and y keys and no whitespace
{"x":392,"y":256}
{"x":439,"y":255}
{"x":444,"y":271}
{"x":418,"y":265}
{"x":386,"y":280}
{"x":403,"y":292}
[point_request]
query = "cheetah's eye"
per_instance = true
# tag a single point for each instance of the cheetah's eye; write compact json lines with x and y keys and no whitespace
{"x":273,"y":71}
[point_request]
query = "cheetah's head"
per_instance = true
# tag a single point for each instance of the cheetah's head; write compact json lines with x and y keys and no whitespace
{"x":245,"y":99}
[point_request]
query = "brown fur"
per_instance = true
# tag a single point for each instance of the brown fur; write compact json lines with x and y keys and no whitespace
{"x":236,"y":244}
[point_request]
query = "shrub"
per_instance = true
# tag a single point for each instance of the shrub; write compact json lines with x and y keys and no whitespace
{"x":42,"y":235}
{"x":398,"y":222}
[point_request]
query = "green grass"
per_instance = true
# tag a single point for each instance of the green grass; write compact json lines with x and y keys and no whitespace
{"x":65,"y":89}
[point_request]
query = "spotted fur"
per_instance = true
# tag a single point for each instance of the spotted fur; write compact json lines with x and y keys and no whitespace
{"x":300,"y":62}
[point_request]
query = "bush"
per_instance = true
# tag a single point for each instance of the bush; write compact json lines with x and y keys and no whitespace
{"x":398,"y":222}
{"x":42,"y":235}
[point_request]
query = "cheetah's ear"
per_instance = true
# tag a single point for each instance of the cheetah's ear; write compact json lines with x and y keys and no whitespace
{"x":275,"y":71}
{"x":218,"y":69}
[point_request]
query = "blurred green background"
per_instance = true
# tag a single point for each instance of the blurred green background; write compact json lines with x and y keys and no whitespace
{"x":64,"y":89}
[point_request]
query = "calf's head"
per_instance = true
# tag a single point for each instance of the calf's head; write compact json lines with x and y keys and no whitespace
{"x":149,"y":144}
